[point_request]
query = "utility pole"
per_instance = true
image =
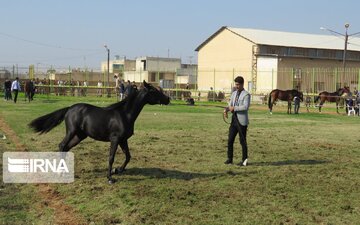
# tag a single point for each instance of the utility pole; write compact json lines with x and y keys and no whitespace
{"x":108,"y":71}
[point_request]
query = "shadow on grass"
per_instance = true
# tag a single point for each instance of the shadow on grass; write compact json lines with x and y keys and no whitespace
{"x":290,"y":162}
{"x":176,"y":174}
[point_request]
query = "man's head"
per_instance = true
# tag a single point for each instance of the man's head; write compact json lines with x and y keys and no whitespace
{"x":239,"y":82}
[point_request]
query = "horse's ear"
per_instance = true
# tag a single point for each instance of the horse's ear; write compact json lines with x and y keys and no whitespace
{"x":146,"y":85}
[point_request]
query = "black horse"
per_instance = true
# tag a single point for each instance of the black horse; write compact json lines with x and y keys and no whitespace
{"x":287,"y":95}
{"x":114,"y":124}
{"x":331,"y":97}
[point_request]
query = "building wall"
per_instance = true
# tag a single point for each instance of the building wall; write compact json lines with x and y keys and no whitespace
{"x":137,"y":76}
{"x":127,"y":65}
{"x":224,"y":57}
{"x":158,"y":64}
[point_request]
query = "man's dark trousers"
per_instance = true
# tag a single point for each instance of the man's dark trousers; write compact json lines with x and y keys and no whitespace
{"x":15,"y":95}
{"x":234,"y":129}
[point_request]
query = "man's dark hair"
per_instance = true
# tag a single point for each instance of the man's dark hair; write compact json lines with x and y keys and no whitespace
{"x":239,"y":79}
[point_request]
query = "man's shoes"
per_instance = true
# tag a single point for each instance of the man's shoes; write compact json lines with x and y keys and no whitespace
{"x":243,"y":163}
{"x":228,"y":161}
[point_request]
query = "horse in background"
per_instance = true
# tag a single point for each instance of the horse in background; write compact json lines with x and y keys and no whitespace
{"x":331,"y":97}
{"x":29,"y":90}
{"x":287,"y":95}
{"x":114,"y":124}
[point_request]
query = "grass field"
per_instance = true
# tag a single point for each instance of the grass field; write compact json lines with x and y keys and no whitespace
{"x":303,"y":169}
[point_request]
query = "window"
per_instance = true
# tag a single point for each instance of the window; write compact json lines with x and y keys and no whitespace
{"x":312,"y":52}
{"x":152,"y":77}
{"x":143,"y":64}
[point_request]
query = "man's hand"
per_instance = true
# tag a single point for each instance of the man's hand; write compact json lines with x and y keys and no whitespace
{"x":231,"y":108}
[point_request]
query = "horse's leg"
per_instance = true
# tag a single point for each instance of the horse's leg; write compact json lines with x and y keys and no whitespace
{"x":69,"y":135}
{"x":320,"y":105}
{"x":113,"y":148}
{"x":337,"y":106}
{"x":289,"y":107}
{"x":125,"y":148}
{"x":77,"y":138}
{"x":271,"y":105}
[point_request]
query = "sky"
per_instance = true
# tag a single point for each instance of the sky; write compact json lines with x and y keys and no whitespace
{"x":73,"y":32}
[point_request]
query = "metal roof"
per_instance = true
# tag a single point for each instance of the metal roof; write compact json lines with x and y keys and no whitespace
{"x":289,"y":39}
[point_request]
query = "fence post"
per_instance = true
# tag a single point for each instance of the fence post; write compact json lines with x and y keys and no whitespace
{"x":313,"y":81}
{"x":292,"y":78}
{"x":214,"y":87}
{"x":336,"y":78}
{"x":196,"y":78}
{"x":272,"y":79}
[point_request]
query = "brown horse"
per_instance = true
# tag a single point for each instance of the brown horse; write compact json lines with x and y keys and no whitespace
{"x":331,"y":97}
{"x":287,"y":95}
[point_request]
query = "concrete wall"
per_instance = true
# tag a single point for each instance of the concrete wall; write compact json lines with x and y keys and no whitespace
{"x":223,"y":58}
{"x":128,"y":65}
{"x":157,"y":64}
{"x":137,"y":76}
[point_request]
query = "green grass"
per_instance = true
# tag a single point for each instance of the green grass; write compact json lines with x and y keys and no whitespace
{"x":304,"y":169}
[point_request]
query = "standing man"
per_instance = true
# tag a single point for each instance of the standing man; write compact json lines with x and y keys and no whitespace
{"x":122,"y":90}
{"x":15,"y":87}
{"x":296,"y":104}
{"x":99,"y":91}
{"x":239,"y":105}
{"x":7,"y":90}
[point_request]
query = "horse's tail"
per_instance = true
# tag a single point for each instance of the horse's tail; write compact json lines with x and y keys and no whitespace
{"x":316,"y":98}
{"x":269,"y":101}
{"x":47,"y":122}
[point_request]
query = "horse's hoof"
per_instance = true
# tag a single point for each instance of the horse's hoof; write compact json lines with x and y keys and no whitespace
{"x":111,"y":181}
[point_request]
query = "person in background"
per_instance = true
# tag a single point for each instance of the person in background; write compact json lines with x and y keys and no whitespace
{"x":134,"y":85}
{"x":7,"y":87}
{"x":15,"y":87}
{"x":117,"y":87}
{"x":99,"y":90}
{"x":122,"y":90}
{"x":296,"y":104}
{"x":128,"y":88}
{"x":85,"y":85}
{"x":307,"y":103}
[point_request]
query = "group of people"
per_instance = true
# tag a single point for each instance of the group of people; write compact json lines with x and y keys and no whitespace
{"x":12,"y":87}
{"x":77,"y":88}
{"x":352,"y":102}
{"x":122,"y":88}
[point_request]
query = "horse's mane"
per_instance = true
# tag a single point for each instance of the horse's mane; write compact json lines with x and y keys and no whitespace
{"x":122,"y":104}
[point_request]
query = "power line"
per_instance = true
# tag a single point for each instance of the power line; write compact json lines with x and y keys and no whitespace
{"x":44,"y":44}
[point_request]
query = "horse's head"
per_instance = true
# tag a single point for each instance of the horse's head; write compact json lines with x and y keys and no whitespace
{"x":343,"y":91}
{"x":155,"y":95}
